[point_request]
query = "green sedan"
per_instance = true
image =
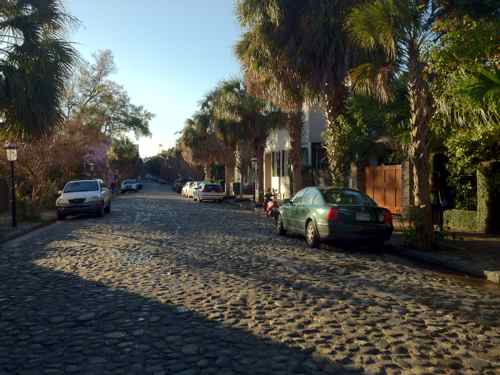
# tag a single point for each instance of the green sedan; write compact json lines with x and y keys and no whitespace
{"x":334,"y":214}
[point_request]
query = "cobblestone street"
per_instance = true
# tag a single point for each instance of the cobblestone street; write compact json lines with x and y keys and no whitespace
{"x":168,"y":286}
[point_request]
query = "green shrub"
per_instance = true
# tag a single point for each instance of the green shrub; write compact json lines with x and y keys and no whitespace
{"x":26,"y":211}
{"x":460,"y":220}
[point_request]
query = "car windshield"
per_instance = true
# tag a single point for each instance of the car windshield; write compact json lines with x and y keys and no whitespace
{"x":334,"y":196}
{"x":74,"y":187}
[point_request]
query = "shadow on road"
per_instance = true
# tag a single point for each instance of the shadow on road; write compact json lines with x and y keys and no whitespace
{"x":54,"y":321}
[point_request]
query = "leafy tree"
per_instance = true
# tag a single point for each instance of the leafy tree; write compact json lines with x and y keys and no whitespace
{"x":367,"y":124}
{"x":93,"y":98}
{"x":466,"y":90}
{"x":35,"y":62}
{"x":124,"y":157}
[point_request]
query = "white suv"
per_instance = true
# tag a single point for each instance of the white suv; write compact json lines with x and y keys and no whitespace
{"x":83,"y":196}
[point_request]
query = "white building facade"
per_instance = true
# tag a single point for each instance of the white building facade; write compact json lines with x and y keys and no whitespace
{"x":278,"y":145}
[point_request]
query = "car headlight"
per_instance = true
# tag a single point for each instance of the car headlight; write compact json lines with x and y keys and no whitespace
{"x":94,"y":198}
{"x":61,"y":202}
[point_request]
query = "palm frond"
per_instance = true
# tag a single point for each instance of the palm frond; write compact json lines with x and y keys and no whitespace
{"x":373,"y":80}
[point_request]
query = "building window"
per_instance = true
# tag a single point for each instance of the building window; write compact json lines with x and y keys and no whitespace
{"x":284,"y":160}
{"x":279,"y":164}
{"x":305,"y":157}
{"x":274,"y":165}
{"x":318,"y":156}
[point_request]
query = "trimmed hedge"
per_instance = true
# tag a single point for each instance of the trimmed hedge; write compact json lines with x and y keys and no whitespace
{"x":461,"y":220}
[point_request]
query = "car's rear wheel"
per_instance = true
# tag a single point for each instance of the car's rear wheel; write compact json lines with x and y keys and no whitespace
{"x":280,"y":226}
{"x":312,"y":236}
{"x":108,"y":208}
{"x":100,"y":212}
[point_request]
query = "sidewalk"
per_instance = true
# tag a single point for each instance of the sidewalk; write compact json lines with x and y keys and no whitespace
{"x":474,"y":254}
{"x":8,"y":233}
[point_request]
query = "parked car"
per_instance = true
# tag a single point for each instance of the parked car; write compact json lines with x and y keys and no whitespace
{"x":207,"y":191}
{"x":179,"y":184}
{"x":334,"y":214}
{"x":188,"y":189}
{"x":140,"y":185}
{"x":129,"y":185}
{"x":83,"y":196}
{"x":185,"y":189}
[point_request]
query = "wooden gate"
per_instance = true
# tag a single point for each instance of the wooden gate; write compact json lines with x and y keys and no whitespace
{"x":383,"y":185}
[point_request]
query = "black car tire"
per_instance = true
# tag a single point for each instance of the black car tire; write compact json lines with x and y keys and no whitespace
{"x":108,"y":208}
{"x":280,"y":226}
{"x":312,"y":236}
{"x":100,"y":212}
{"x":61,"y":216}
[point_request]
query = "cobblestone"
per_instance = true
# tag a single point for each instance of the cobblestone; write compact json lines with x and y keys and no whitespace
{"x":164,"y":285}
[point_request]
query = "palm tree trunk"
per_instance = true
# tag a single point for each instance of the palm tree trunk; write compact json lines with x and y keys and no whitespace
{"x":421,"y":108}
{"x":229,"y":174}
{"x":334,"y":107}
{"x":208,"y":172}
{"x":295,"y":124}
{"x":259,"y":178}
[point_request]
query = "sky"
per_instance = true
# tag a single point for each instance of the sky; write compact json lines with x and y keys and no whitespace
{"x":168,"y":53}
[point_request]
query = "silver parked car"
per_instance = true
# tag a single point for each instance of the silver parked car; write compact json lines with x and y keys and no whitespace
{"x":83,"y":196}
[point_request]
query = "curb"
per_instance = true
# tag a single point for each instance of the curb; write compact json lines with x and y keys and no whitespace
{"x":27,"y":231}
{"x":449,"y":263}
{"x":240,"y":205}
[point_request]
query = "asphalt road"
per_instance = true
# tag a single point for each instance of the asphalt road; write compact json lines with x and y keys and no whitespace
{"x":168,"y":286}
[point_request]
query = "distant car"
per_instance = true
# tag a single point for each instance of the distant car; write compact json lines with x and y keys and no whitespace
{"x":185,"y":188}
{"x":140,"y":185}
{"x":179,"y":184}
{"x":162,"y":181}
{"x":83,"y":196}
{"x":207,"y":191}
{"x":129,"y":185}
{"x":334,"y":214}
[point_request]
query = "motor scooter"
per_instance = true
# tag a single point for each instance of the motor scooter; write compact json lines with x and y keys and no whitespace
{"x":271,"y":205}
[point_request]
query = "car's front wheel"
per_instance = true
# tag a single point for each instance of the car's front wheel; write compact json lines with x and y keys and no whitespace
{"x":280,"y":226}
{"x":312,"y":236}
{"x":100,"y":212}
{"x":108,"y":208}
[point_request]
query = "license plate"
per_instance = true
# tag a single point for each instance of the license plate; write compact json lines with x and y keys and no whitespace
{"x":362,"y":216}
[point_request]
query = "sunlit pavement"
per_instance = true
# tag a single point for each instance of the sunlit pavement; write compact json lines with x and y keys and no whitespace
{"x":168,"y":286}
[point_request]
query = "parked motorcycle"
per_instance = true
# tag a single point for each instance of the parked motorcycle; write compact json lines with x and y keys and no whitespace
{"x":271,"y":205}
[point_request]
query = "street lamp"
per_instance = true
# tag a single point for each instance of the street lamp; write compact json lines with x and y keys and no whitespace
{"x":11,"y":150}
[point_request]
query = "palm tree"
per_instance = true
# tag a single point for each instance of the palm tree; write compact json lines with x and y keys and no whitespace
{"x":35,"y":61}
{"x":268,"y":77}
{"x":199,"y":144}
{"x":247,"y":119}
{"x":403,"y":31}
{"x":308,"y":42}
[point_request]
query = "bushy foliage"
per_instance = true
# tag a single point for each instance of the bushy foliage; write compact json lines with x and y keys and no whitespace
{"x":364,"y":123}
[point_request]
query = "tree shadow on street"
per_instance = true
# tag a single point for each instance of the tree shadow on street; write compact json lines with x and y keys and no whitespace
{"x":56,"y":322}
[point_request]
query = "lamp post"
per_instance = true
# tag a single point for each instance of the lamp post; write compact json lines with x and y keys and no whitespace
{"x":11,"y":150}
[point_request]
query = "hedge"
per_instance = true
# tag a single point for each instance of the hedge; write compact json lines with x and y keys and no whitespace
{"x":461,"y":220}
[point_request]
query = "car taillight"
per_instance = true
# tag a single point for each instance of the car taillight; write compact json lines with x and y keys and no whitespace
{"x":333,"y":214}
{"x":387,"y":217}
